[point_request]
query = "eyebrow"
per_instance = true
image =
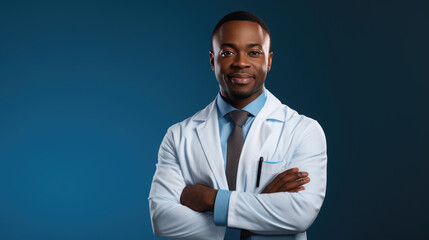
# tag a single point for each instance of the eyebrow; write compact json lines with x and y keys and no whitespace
{"x":250,"y":45}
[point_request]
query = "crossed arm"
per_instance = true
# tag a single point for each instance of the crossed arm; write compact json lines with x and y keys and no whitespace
{"x":284,"y":207}
{"x":201,"y":198}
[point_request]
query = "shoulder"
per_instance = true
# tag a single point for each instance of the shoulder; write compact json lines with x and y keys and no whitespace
{"x":295,"y":123}
{"x":303,"y":128}
{"x":295,"y":119}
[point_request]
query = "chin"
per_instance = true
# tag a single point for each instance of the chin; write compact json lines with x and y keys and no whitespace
{"x":243,"y":93}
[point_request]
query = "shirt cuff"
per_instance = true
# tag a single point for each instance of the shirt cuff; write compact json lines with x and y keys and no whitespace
{"x":221,"y":207}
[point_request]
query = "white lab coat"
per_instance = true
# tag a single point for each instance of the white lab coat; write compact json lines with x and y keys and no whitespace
{"x":190,"y":153}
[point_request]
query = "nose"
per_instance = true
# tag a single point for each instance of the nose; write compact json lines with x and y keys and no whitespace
{"x":240,"y":61}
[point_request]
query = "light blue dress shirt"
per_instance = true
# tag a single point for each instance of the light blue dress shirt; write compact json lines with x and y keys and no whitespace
{"x":225,"y":128}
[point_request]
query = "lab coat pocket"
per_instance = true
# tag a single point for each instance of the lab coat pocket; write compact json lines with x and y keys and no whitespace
{"x":270,"y":170}
{"x":272,"y":167}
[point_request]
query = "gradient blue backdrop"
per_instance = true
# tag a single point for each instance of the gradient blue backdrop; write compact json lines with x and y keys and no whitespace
{"x":89,"y":88}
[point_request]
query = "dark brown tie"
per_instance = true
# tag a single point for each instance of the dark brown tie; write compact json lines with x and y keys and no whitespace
{"x":235,"y":144}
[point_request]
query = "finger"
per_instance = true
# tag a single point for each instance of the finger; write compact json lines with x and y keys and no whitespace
{"x":293,"y":177}
{"x":280,"y":180}
{"x":296,"y":189}
{"x":284,"y":179}
{"x":289,"y":171}
{"x":279,"y":177}
{"x":292,"y":185}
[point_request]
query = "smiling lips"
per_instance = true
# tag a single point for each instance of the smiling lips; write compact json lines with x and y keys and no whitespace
{"x":240,"y":78}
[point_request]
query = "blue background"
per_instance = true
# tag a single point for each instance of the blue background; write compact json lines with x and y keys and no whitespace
{"x":89,"y":88}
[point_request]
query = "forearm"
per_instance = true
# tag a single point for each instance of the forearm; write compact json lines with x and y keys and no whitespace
{"x":280,"y":212}
{"x":275,"y":213}
{"x":285,"y":212}
{"x":173,"y":220}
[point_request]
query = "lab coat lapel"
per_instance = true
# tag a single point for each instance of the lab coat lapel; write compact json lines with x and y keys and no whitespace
{"x":208,"y":134}
{"x":262,"y":139}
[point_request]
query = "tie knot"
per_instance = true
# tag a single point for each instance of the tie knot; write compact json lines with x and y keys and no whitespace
{"x":239,"y":117}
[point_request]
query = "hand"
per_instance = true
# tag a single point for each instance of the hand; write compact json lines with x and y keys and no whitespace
{"x":290,"y":180}
{"x":198,"y":197}
{"x":245,"y":233}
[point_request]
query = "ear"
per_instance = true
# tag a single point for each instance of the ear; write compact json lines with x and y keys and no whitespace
{"x":211,"y":59}
{"x":270,"y":58}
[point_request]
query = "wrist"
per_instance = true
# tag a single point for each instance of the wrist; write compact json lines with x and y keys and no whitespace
{"x":210,"y":199}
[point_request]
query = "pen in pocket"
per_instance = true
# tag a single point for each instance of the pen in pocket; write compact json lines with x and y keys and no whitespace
{"x":258,"y":177}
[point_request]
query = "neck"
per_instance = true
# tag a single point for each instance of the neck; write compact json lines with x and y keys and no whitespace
{"x":240,"y":103}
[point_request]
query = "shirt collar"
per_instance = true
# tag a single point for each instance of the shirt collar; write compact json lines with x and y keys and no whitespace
{"x":253,"y":108}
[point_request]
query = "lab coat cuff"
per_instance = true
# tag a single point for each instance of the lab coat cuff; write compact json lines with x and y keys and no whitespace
{"x":232,"y":218}
{"x":221,"y":207}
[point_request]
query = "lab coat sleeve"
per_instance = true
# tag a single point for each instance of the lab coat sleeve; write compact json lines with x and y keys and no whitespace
{"x":283,"y":212}
{"x":170,"y":219}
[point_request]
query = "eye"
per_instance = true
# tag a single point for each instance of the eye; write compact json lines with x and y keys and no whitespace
{"x":255,"y":53}
{"x":226,"y":53}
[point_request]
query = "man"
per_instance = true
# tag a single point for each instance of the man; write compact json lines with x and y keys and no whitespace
{"x":237,"y":168}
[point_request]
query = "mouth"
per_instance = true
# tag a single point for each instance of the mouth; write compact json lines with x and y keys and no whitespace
{"x":240,"y":78}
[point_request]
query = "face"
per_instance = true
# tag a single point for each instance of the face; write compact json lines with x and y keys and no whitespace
{"x":241,"y":59}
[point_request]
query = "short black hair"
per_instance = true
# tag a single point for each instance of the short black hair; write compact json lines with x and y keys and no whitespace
{"x":240,"y":16}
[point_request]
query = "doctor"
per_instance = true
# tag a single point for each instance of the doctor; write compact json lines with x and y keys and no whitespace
{"x":241,"y":167}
